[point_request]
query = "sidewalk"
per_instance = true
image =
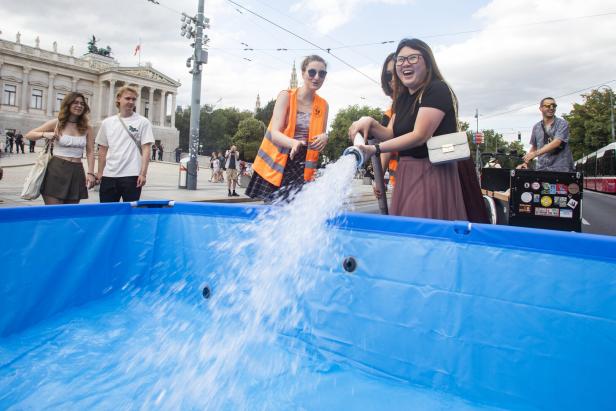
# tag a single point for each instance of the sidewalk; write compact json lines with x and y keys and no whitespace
{"x":162,"y":184}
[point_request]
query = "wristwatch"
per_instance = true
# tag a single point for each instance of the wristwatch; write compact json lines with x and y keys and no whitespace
{"x":378,"y":150}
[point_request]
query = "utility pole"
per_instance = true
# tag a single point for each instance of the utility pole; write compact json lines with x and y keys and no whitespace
{"x":192,"y":28}
{"x":477,"y":157}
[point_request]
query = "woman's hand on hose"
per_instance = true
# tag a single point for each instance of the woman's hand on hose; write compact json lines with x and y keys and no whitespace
{"x":361,"y":126}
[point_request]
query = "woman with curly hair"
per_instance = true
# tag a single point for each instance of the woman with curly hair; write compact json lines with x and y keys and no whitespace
{"x":65,"y":180}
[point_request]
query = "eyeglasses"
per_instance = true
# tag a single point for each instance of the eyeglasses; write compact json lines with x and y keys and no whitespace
{"x":411,"y":58}
{"x":551,"y":106}
{"x":312,"y":73}
{"x":389,"y":76}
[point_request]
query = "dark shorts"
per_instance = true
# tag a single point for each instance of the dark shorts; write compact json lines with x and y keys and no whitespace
{"x":115,"y":188}
{"x":64,"y":180}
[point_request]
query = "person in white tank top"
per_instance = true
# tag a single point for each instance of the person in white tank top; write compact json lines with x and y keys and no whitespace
{"x":65,"y":180}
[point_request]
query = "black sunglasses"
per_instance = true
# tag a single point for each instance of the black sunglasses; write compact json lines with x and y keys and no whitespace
{"x":552,"y":106}
{"x":313,"y":72}
{"x":389,"y":76}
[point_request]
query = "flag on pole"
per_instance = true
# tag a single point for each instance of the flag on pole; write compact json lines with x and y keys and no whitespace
{"x":137,"y":49}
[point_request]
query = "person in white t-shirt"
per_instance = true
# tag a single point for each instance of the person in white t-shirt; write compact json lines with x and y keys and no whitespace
{"x":124,"y":149}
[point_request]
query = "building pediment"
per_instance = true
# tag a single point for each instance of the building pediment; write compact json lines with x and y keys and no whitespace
{"x":148,"y":73}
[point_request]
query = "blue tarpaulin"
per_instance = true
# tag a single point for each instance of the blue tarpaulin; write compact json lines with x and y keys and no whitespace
{"x":503,"y":316}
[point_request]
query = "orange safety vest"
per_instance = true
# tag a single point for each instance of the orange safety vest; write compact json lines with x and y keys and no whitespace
{"x":393,"y":160}
{"x":271,"y":159}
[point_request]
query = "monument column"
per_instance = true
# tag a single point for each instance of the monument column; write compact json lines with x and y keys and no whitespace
{"x":24,"y":90}
{"x":50,"y":95}
{"x":111,"y":102}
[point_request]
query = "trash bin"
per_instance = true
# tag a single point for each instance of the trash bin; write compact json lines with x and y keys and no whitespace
{"x":183,"y":177}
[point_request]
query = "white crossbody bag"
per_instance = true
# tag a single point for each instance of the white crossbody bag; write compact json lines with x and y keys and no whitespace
{"x":449,"y":147}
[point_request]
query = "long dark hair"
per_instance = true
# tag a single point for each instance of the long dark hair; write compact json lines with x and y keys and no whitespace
{"x":384,"y":83}
{"x":65,"y":111}
{"x":433,"y":72}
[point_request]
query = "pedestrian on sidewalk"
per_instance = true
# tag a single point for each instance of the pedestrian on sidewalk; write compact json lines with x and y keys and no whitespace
{"x":154,"y":150}
{"x":289,"y":153}
{"x":160,"y":151}
{"x":10,"y":138}
{"x":178,"y":154}
{"x":233,"y":157}
{"x":19,"y":142}
{"x":124,"y":148}
{"x":32,"y":145}
{"x":221,"y":161}
{"x":65,"y":181}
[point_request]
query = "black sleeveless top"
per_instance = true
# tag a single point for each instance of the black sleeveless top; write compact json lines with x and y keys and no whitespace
{"x":435,"y":95}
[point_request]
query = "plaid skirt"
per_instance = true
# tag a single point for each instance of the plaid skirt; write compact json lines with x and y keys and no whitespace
{"x":292,"y":182}
{"x":64,"y":180}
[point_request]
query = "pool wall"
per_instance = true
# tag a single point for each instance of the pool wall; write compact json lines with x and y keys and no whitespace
{"x":505,"y":316}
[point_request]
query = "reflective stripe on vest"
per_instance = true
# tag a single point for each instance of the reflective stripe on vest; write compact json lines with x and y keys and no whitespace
{"x":272,"y":159}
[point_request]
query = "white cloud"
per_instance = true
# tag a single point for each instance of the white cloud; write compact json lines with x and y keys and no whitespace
{"x":328,"y":15}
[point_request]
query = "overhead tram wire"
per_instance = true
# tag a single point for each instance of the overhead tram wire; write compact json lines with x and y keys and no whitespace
{"x":533,"y":105}
{"x":305,"y":40}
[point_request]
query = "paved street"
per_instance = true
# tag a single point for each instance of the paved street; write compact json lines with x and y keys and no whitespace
{"x":163,"y":177}
{"x":162,"y":183}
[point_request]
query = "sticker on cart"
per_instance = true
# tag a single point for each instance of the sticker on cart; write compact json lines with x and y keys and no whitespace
{"x":526,"y":197}
{"x":541,"y":211}
{"x":546,"y":201}
{"x":526,"y":185}
{"x":545,"y":188}
{"x":562,"y":202}
{"x":572,"y":203}
{"x":574,"y":188}
{"x":552,"y":189}
{"x":536,"y":185}
{"x":566,"y":213}
{"x":536,"y":198}
{"x":525,"y":208}
{"x":553,"y":212}
{"x":561,"y":189}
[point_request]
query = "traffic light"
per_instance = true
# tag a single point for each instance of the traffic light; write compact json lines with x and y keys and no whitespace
{"x":519,"y":136}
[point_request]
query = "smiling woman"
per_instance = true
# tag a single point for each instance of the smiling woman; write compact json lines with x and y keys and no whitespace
{"x":65,"y":181}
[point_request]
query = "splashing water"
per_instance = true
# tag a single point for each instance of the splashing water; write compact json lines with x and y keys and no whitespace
{"x":257,"y":298}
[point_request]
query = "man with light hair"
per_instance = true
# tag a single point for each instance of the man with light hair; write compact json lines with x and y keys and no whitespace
{"x":124,"y":146}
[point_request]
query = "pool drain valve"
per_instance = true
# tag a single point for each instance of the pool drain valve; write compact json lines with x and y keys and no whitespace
{"x":349,"y":264}
{"x":206,"y":292}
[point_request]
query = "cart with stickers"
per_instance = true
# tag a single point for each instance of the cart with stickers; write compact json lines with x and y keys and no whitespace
{"x":537,"y":199}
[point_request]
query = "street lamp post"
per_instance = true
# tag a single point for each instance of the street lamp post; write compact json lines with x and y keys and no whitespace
{"x":192,"y":28}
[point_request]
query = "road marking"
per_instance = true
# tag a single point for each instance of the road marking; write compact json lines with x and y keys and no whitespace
{"x":585,"y":222}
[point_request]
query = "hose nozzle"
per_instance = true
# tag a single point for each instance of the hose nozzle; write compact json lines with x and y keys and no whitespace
{"x":357,"y":153}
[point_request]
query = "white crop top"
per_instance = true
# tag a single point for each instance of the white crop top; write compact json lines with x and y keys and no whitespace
{"x":69,"y":146}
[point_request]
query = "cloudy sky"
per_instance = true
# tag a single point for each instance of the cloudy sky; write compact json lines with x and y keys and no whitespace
{"x":500,"y":56}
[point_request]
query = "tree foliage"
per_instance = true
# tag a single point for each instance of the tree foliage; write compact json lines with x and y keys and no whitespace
{"x":590,"y":123}
{"x":494,"y":144}
{"x":265,"y":114}
{"x":339,"y":133}
{"x":248,"y":137}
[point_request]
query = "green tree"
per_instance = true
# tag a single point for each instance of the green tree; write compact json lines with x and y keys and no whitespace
{"x":494,"y":143}
{"x":265,"y":114}
{"x":248,"y":137}
{"x":590,"y":123}
{"x":339,"y":133}
{"x":182,"y":123}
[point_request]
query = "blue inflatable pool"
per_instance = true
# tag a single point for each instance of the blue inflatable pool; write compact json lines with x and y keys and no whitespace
{"x":432,"y":315}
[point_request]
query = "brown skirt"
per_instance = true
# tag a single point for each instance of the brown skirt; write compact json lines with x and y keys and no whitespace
{"x":64,"y":180}
{"x":427,"y":191}
{"x":471,"y":191}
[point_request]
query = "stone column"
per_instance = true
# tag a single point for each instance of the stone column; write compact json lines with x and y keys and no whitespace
{"x":150,"y":103}
{"x":163,"y":96}
{"x":138,"y":104}
{"x":50,"y":95}
{"x":99,"y":106}
{"x":25,"y":101}
{"x":173,"y":108}
{"x":111,"y":103}
{"x":75,"y":80}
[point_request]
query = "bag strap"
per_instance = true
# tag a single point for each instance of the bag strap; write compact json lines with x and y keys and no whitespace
{"x":132,"y":137}
{"x":453,"y":101}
